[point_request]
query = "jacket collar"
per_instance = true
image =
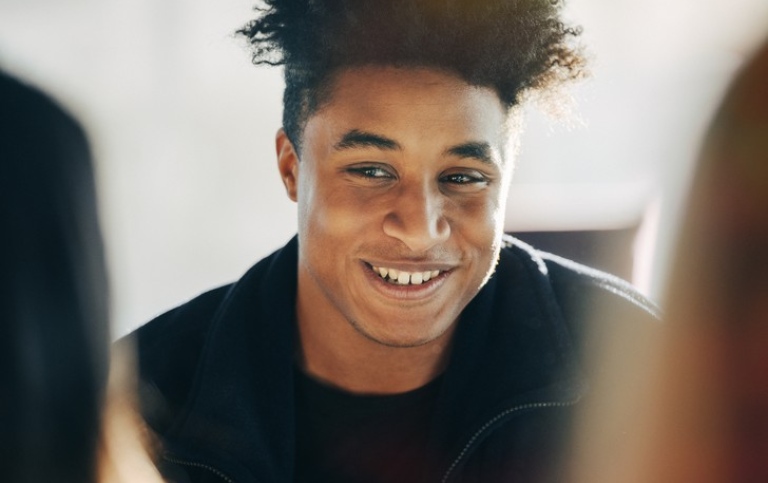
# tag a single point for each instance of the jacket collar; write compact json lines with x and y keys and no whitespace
{"x":511,"y":346}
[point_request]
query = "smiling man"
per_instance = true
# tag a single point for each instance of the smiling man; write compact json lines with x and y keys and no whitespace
{"x":401,"y":188}
{"x":400,"y":336}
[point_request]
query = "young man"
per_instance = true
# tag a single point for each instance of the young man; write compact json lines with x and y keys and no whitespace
{"x":400,"y":336}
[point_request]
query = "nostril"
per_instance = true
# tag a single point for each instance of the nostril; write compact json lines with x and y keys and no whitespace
{"x":417,"y":229}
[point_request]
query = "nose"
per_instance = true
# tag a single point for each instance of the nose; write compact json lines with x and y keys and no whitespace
{"x":416,"y":217}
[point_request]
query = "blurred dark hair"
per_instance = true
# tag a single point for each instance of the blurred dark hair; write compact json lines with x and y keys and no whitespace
{"x":512,"y":46}
{"x":53,"y":305}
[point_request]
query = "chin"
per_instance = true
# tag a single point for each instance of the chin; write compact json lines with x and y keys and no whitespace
{"x":402,"y":338}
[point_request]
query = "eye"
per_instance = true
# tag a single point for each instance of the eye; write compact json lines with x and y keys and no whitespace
{"x":370,"y":172}
{"x":463,"y":178}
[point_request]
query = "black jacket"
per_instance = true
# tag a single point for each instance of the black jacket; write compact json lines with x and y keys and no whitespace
{"x":217,"y":372}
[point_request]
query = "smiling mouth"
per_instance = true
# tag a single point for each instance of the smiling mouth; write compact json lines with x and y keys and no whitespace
{"x":401,"y":277}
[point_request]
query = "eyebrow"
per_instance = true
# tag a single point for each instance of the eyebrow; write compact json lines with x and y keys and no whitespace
{"x":480,"y":151}
{"x":362,"y":139}
{"x":356,"y":138}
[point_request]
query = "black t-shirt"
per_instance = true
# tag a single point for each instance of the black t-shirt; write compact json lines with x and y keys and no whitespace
{"x":348,"y":438}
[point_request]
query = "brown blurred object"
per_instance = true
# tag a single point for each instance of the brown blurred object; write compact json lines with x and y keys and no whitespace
{"x":718,"y":294}
{"x":695,"y":408}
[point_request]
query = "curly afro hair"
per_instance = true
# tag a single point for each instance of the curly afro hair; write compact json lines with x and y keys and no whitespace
{"x":511,"y":46}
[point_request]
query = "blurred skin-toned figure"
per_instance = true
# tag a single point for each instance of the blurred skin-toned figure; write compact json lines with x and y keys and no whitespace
{"x":696,"y":409}
{"x":718,"y":296}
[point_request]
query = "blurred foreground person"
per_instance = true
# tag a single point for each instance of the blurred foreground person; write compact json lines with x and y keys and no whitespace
{"x":717,"y":356}
{"x":54,"y":334}
{"x":698,"y":403}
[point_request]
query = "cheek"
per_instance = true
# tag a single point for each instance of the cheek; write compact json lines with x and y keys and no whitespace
{"x":479,"y":217}
{"x":477,"y":230}
{"x":327,"y":209}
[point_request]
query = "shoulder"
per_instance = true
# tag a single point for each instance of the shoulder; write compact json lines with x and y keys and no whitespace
{"x":187,"y":322}
{"x":168,"y":350}
{"x":594,"y":305}
{"x":172,"y":348}
{"x":574,"y":282}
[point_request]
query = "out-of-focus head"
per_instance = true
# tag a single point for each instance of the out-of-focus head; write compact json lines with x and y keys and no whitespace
{"x":54,"y":332}
{"x":511,"y":46}
{"x":727,"y":221}
{"x":718,"y":299}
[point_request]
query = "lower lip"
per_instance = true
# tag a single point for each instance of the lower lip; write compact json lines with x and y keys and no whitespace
{"x":406,"y":292}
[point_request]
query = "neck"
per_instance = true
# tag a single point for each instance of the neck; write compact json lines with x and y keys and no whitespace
{"x":333,"y":351}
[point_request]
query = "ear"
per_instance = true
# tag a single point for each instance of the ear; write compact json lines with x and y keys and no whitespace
{"x":287,"y":163}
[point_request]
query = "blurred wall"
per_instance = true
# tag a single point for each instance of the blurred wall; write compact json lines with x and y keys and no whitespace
{"x":183,"y":127}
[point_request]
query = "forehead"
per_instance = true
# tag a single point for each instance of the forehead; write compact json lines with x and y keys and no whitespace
{"x":413,"y":100}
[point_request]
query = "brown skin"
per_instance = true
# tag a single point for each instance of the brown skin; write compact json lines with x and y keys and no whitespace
{"x":711,"y":424}
{"x":428,"y":193}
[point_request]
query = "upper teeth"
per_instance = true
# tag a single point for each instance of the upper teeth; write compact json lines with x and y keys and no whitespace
{"x":404,"y":278}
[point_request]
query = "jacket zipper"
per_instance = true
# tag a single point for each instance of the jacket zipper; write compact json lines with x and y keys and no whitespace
{"x":199,"y":465}
{"x":464,"y":452}
{"x":484,"y":428}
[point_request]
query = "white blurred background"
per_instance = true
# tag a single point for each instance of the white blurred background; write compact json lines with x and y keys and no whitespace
{"x":182,"y":127}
